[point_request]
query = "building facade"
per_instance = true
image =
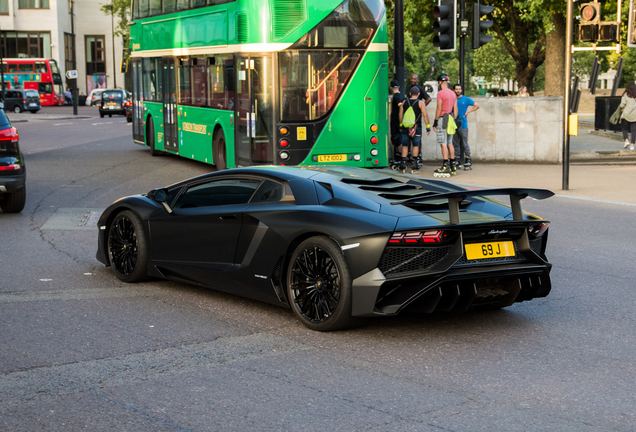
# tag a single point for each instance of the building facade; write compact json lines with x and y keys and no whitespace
{"x":43,"y":29}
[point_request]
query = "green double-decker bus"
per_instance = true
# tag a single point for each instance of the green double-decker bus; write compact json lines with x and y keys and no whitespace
{"x":250,"y":82}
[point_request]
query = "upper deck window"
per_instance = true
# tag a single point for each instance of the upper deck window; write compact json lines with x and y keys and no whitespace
{"x":149,"y":8}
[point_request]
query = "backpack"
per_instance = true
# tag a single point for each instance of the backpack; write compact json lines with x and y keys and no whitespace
{"x":408,"y":119}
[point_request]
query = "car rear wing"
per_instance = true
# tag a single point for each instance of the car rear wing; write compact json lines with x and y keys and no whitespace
{"x":454,"y":198}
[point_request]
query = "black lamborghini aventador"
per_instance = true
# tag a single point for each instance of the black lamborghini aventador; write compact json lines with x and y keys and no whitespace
{"x":335,"y":244}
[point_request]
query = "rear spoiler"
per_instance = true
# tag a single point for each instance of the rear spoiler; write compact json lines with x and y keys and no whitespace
{"x":454,"y":198}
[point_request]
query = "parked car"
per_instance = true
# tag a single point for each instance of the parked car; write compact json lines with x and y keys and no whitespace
{"x":12,"y":168}
{"x":94,"y":97}
{"x":18,"y":100}
{"x":334,"y":244}
{"x":129,"y":109}
{"x":113,"y":102}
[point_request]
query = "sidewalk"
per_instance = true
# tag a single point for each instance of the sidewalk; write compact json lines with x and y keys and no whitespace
{"x":598,"y":146}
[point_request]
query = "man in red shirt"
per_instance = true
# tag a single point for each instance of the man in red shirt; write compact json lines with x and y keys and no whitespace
{"x":446,"y":107}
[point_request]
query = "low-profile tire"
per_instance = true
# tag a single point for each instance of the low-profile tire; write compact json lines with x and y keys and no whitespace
{"x":13,"y":202}
{"x":110,"y":115}
{"x":319,"y":286}
{"x":150,"y":138}
{"x":17,"y":109}
{"x":128,"y":247}
{"x":219,"y":149}
{"x":101,"y":114}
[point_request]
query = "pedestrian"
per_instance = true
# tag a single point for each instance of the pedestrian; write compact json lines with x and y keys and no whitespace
{"x":67,"y":97}
{"x":397,"y":99}
{"x":414,"y":80}
{"x":628,"y":117}
{"x":465,"y":106}
{"x":411,"y":130}
{"x":523,"y":92}
{"x":445,"y":112}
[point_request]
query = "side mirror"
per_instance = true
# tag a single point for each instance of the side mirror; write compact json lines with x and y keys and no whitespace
{"x":160,"y":196}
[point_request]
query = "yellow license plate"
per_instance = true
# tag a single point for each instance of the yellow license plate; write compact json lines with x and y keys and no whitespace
{"x":332,"y":158}
{"x":111,"y":103}
{"x":477,"y":251}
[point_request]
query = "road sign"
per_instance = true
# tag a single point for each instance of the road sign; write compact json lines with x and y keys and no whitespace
{"x":72,"y":74}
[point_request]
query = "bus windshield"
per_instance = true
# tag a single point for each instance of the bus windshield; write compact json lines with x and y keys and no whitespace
{"x":315,"y":70}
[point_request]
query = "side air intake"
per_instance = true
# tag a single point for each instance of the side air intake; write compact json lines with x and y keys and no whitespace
{"x":287,"y":15}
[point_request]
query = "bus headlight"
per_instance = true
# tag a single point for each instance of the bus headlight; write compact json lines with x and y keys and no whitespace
{"x":374,"y":152}
{"x":356,"y":157}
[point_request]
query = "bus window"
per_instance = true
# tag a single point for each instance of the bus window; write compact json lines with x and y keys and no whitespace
{"x":13,"y":67}
{"x":221,"y":82}
{"x":169,"y":6}
{"x":25,"y":67}
{"x":40,"y":67}
{"x":149,"y":79}
{"x":155,"y":7}
{"x":199,"y":79}
{"x":198,"y":3}
{"x":143,"y":8}
{"x":54,"y":68}
{"x":45,"y":88}
{"x":183,"y":4}
{"x":184,"y":83}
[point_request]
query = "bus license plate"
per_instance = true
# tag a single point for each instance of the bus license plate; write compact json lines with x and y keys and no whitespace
{"x":477,"y":251}
{"x":332,"y":158}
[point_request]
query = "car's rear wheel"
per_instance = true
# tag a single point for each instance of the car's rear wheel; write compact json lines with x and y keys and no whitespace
{"x":13,"y":202}
{"x":101,"y":114}
{"x":17,"y":109}
{"x":319,"y":285}
{"x":220,"y":152}
{"x":128,"y":247}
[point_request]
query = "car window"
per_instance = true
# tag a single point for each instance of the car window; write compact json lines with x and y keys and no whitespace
{"x":268,"y":191}
{"x":219,"y":192}
{"x":31,"y":93}
{"x":4,"y":121}
{"x":112,"y":95}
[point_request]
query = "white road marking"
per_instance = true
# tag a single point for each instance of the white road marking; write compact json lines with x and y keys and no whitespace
{"x":62,"y":124}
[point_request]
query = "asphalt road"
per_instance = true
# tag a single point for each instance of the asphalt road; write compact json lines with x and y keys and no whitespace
{"x":80,"y":350}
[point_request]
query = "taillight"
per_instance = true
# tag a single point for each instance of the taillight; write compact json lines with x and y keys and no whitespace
{"x":539,"y":230}
{"x":11,"y":167}
{"x":10,"y":134}
{"x":418,"y":237}
{"x":24,"y":101}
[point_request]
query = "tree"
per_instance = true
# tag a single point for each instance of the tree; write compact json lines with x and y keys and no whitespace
{"x":494,"y":63}
{"x":120,"y":9}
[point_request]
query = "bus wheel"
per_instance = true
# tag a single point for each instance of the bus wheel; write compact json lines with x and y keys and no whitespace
{"x":220,"y":154}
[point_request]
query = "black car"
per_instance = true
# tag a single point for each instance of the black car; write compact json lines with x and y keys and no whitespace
{"x":335,"y":244}
{"x":113,"y":102}
{"x":22,"y":100}
{"x":12,"y":169}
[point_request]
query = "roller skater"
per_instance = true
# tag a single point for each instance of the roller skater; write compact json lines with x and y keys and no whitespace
{"x":403,"y":165}
{"x":443,"y":171}
{"x":395,"y":163}
{"x":445,"y":127}
{"x":411,"y":113}
{"x":397,"y":101}
{"x":465,"y":106}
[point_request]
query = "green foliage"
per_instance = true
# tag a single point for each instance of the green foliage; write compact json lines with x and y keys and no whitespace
{"x":494,"y":63}
{"x":121,"y":11}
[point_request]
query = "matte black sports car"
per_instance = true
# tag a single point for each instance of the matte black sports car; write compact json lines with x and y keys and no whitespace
{"x":335,"y":244}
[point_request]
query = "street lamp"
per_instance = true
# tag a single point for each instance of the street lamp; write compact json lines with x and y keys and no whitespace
{"x":111,"y":6}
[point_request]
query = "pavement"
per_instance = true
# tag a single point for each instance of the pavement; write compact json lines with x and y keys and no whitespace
{"x":599,"y":168}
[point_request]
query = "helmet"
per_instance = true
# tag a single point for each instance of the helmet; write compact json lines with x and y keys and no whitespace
{"x":443,"y":77}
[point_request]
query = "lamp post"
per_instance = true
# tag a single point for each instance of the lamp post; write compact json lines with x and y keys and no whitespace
{"x":111,"y":6}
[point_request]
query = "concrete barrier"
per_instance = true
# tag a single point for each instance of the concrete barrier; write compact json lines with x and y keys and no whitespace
{"x":509,"y":129}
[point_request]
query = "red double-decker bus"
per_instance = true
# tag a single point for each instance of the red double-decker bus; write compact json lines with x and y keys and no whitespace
{"x":42,"y":75}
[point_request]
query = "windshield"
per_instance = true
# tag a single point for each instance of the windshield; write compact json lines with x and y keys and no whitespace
{"x":112,"y":95}
{"x":315,"y":70}
{"x":31,"y":93}
{"x":54,"y":67}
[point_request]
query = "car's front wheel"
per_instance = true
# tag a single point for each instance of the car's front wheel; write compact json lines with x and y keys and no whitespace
{"x":319,"y":285}
{"x":128,"y":247}
{"x":13,"y":202}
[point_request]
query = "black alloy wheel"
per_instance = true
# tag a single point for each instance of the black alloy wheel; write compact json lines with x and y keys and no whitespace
{"x":127,"y":247}
{"x":319,"y":286}
{"x":219,"y":151}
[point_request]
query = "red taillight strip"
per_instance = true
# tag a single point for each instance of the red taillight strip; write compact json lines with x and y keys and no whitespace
{"x":417,"y":237}
{"x":11,"y":167}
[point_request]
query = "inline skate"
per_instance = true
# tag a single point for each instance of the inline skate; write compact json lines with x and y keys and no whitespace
{"x":443,"y":171}
{"x":468,"y":164}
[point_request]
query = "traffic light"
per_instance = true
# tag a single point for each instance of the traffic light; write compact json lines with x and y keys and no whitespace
{"x":590,"y":20}
{"x":446,"y":25}
{"x":480,"y":26}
